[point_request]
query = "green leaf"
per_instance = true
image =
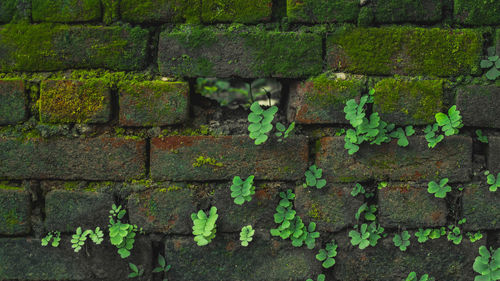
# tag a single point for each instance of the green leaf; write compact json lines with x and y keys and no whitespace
{"x":493,"y":58}
{"x":133,"y":267}
{"x":492,"y":74}
{"x":261,"y":139}
{"x":328,"y":263}
{"x":254,"y":118}
{"x":254,"y":127}
{"x":266,"y":128}
{"x":280,"y":127}
{"x":256,"y":108}
{"x":486,"y":63}
{"x":320,"y":183}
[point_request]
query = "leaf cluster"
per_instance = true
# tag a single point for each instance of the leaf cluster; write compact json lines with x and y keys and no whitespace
{"x":78,"y":239}
{"x":473,"y":237}
{"x":369,"y":212}
{"x":136,"y":272}
{"x":53,"y":234}
{"x":487,"y":264}
{"x":260,"y":122}
{"x":450,"y":123}
{"x":246,"y":235}
{"x":241,"y":190}
{"x":492,"y":181}
{"x":432,"y":136}
{"x":439,"y":190}
{"x":454,"y":233}
{"x":328,"y":254}
{"x":413,"y":277}
{"x":402,"y":241}
{"x":482,"y":138}
{"x":313,"y":177}
{"x":321,"y":277}
{"x":492,"y":63}
{"x":204,"y":226}
{"x":402,"y":135}
{"x":122,"y":235}
{"x":284,"y":132}
{"x":162,"y":266}
{"x":423,"y":234}
{"x":368,"y":235}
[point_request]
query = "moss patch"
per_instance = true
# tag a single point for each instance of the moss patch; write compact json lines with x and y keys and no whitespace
{"x":7,"y":10}
{"x":398,"y":11}
{"x":474,"y":12}
{"x":66,"y":10}
{"x":13,"y":102}
{"x":243,"y":11}
{"x":160,"y":11}
{"x":14,"y":210}
{"x":318,"y":11}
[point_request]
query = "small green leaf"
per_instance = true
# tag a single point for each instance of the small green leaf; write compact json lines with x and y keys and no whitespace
{"x":486,"y":63}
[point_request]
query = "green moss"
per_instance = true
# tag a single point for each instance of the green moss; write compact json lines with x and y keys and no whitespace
{"x":325,"y":91}
{"x":66,"y":10}
{"x":242,"y":11}
{"x":111,"y":9}
{"x":174,"y":188}
{"x":396,"y":11}
{"x":6,"y":186}
{"x":71,"y":185}
{"x":318,"y":11}
{"x":203,"y":161}
{"x":160,"y":11}
{"x":7,"y":10}
{"x":475,"y":12}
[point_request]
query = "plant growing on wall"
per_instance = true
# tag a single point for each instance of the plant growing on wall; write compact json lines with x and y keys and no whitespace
{"x":162,"y":266}
{"x":402,"y":135}
{"x":284,"y":132}
{"x":260,"y":122}
{"x":473,"y":237}
{"x":402,"y":241}
{"x":487,"y":264}
{"x":431,"y":135}
{"x":368,"y":235}
{"x":246,"y":235}
{"x":439,"y":190}
{"x":450,"y":123}
{"x":136,"y":272}
{"x":492,"y":181}
{"x":204,"y":226}
{"x":122,"y":235}
{"x":423,"y":235}
{"x":78,"y":239}
{"x":328,"y":254}
{"x":492,"y":63}
{"x":482,"y":138}
{"x":413,"y":277}
{"x":357,"y":189}
{"x":53,"y":234}
{"x":313,"y":177}
{"x":321,"y":277}
{"x":241,"y":190}
{"x":369,"y":212}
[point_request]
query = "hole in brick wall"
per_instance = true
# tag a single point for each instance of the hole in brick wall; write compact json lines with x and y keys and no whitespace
{"x":240,"y":93}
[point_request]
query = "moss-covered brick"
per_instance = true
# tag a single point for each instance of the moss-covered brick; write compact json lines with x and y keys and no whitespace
{"x":102,"y":158}
{"x":49,"y":47}
{"x":26,"y":259}
{"x":410,"y":205}
{"x":7,"y":10}
{"x":332,"y":208}
{"x":408,"y":102}
{"x":321,"y":99}
{"x":12,"y":102}
{"x":452,"y":158}
{"x":494,"y":154}
{"x":225,"y":259}
{"x":480,"y":207}
{"x":405,"y":51}
{"x":439,"y":258}
{"x":66,"y":210}
{"x":320,"y":11}
{"x":401,"y":11}
{"x":159,"y":11}
{"x":196,"y":51}
{"x":164,"y":210}
{"x":72,"y":101}
{"x":242,"y":11}
{"x":65,"y":10}
{"x":15,"y":210}
{"x":174,"y":158}
{"x":153,"y":103}
{"x":477,"y":13}
{"x":479,"y":105}
{"x":497,"y":41}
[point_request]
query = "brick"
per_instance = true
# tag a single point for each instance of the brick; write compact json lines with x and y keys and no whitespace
{"x":26,"y":259}
{"x":408,"y":102}
{"x":479,"y":105}
{"x":481,"y":207}
{"x":12,"y":102}
{"x":439,"y":258}
{"x":101,"y":158}
{"x":49,"y":47}
{"x":332,"y":208}
{"x":410,"y":205}
{"x":404,"y":51}
{"x":73,"y":101}
{"x":174,"y":158}
{"x":242,"y":11}
{"x":402,"y":11}
{"x":493,"y":156}
{"x":225,"y":259}
{"x":196,"y":51}
{"x":160,"y":11}
{"x":318,"y":11}
{"x":66,"y":11}
{"x":321,"y":100}
{"x":452,"y":158}
{"x":153,"y":103}
{"x":66,"y":210}
{"x":476,"y":13}
{"x":15,"y":210}
{"x":7,"y":10}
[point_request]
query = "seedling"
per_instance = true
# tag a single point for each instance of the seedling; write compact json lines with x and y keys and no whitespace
{"x":473,"y":237}
{"x":204,"y":226}
{"x":321,"y":277}
{"x":437,"y":233}
{"x":487,"y":264}
{"x":55,"y":242}
{"x":431,"y":135}
{"x":382,"y":185}
{"x":402,"y":135}
{"x":492,"y":181}
{"x":454,"y":233}
{"x":367,"y":236}
{"x":327,"y":255}
{"x":136,"y":272}
{"x":162,"y":266}
{"x":261,"y":122}
{"x":78,"y":239}
{"x":369,"y":212}
{"x":402,"y":241}
{"x":482,"y":138}
{"x":358,"y":188}
{"x":284,"y":132}
{"x":121,"y":235}
{"x":413,"y":277}
{"x":450,"y":123}
{"x":246,"y":235}
{"x":439,"y":190}
{"x":241,"y":190}
{"x":313,"y":177}
{"x":423,"y":235}
{"x":492,"y":63}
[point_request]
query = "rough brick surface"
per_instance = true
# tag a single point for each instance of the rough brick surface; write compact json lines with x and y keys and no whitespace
{"x":332,"y":208}
{"x":408,"y":102}
{"x":72,"y":101}
{"x":479,"y":105}
{"x":15,"y":210}
{"x":410,"y":205}
{"x":153,"y":103}
{"x":449,"y":159}
{"x":321,"y":100}
{"x":477,"y":13}
{"x":66,"y":210}
{"x":494,"y":154}
{"x":404,"y":51}
{"x":7,"y":10}
{"x":401,"y":11}
{"x":91,"y":159}
{"x":48,"y":47}
{"x":196,"y":51}
{"x":242,"y":11}
{"x":497,"y":40}
{"x":175,"y":158}
{"x":159,"y":11}
{"x":66,"y":11}
{"x":318,"y":11}
{"x":439,"y":258}
{"x":481,"y":207}
{"x":225,"y":259}
{"x":12,"y":102}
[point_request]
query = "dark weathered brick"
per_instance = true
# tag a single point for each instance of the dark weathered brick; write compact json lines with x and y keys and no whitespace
{"x":481,"y":207}
{"x":15,"y":210}
{"x":319,"y":11}
{"x":225,"y":259}
{"x":175,"y":158}
{"x":236,"y":11}
{"x":160,"y":11}
{"x":12,"y":102}
{"x":473,"y":12}
{"x":494,"y":154}
{"x":332,"y":208}
{"x":7,"y":10}
{"x":196,"y":51}
{"x":400,"y":11}
{"x":321,"y":100}
{"x":73,"y":101}
{"x":497,"y":40}
{"x":65,"y":11}
{"x":405,"y":51}
{"x":410,"y":205}
{"x":49,"y":47}
{"x":439,"y":258}
{"x":408,"y":102}
{"x":153,"y":103}
{"x":452,"y":158}
{"x":101,"y":158}
{"x":479,"y":105}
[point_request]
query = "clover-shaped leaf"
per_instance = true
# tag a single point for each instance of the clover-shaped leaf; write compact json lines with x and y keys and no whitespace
{"x":402,"y":241}
{"x":439,"y":190}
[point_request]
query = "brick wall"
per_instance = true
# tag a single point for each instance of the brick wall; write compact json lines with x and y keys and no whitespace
{"x":99,"y":106}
